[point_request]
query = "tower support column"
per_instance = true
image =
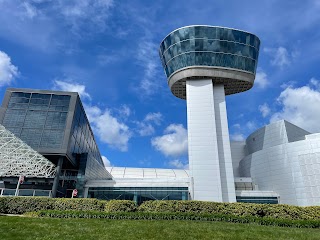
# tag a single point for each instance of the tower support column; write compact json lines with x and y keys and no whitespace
{"x":223,"y":140}
{"x":202,"y":141}
{"x":208,"y":142}
{"x":57,"y":177}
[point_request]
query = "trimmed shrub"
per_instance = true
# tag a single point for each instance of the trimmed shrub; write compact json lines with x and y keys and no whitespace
{"x":178,"y":216}
{"x":85,"y":204}
{"x":120,"y":206}
{"x":19,"y":205}
{"x":236,"y":209}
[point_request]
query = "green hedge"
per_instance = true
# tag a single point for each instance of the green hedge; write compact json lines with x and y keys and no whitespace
{"x":178,"y":216}
{"x":19,"y":205}
{"x":120,"y":206}
{"x":237,"y":209}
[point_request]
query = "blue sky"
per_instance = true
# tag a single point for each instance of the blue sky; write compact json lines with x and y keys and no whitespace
{"x":108,"y":51}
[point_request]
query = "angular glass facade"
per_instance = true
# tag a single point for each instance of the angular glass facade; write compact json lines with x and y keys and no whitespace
{"x":54,"y":123}
{"x":38,"y":119}
{"x":209,"y":46}
{"x":81,"y":136}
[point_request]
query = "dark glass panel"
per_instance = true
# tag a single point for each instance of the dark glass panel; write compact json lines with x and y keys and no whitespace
{"x":56,"y":120}
{"x":31,"y":136}
{"x":38,"y":107}
{"x":35,"y":118}
{"x":14,"y":118}
{"x":15,"y":131}
{"x":20,"y":94}
{"x":211,"y":59}
{"x":19,"y":100}
{"x":51,"y":139}
{"x":40,"y":96}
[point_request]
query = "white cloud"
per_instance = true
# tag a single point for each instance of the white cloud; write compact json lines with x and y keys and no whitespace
{"x":79,"y":13}
{"x":106,"y":59}
{"x":108,"y":128}
{"x":92,"y":112}
{"x":30,"y":10}
{"x":315,"y":82}
{"x":280,"y":56}
{"x":237,"y":137}
{"x":261,"y":79}
{"x":237,"y":125}
{"x":251,"y":125}
{"x":176,"y":163}
{"x":301,"y":106}
{"x":145,"y":127}
{"x":154,"y":117}
{"x":174,"y":142}
{"x":288,"y":84}
{"x":50,"y":25}
{"x":8,"y":72}
{"x":264,"y":109}
{"x":72,"y":87}
{"x":147,"y":57}
{"x":124,"y":111}
{"x":106,"y":161}
{"x":105,"y":125}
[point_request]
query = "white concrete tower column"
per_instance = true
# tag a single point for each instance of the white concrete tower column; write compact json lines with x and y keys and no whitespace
{"x":225,"y":160}
{"x":208,"y":141}
{"x":202,"y":141}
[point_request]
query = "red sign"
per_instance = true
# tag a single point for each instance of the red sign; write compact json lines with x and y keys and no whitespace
{"x":21,"y":179}
{"x":74,"y":192}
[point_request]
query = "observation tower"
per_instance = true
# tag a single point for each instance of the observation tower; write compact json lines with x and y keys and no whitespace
{"x":202,"y":65}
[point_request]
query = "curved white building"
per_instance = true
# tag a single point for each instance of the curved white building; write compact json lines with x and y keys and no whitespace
{"x":284,"y":158}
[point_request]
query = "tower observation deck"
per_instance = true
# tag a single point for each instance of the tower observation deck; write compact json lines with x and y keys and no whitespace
{"x":202,"y":65}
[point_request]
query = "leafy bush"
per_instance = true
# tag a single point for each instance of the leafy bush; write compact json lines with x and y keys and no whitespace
{"x":178,"y":216}
{"x":279,"y":211}
{"x":120,"y":206}
{"x":19,"y":205}
{"x":84,"y":204}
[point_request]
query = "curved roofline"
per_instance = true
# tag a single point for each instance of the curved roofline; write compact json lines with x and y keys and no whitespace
{"x":209,"y":26}
{"x":258,"y":129}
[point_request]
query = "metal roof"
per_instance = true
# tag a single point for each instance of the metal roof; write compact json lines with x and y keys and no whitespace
{"x":125,"y":172}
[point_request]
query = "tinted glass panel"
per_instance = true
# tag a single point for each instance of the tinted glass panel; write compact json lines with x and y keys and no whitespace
{"x":38,"y":119}
{"x":203,"y":39}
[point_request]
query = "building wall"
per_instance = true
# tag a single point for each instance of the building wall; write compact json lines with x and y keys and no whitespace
{"x":81,"y":139}
{"x":39,"y":118}
{"x":54,"y":123}
{"x":291,"y":169}
{"x":238,"y":152}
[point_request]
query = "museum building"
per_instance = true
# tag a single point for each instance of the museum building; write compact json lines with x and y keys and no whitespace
{"x":46,"y":136}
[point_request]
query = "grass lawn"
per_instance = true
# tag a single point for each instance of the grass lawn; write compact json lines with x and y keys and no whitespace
{"x":49,"y":228}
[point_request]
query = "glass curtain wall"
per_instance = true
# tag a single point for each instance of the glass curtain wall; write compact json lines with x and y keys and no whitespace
{"x":209,"y":46}
{"x":38,"y":119}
